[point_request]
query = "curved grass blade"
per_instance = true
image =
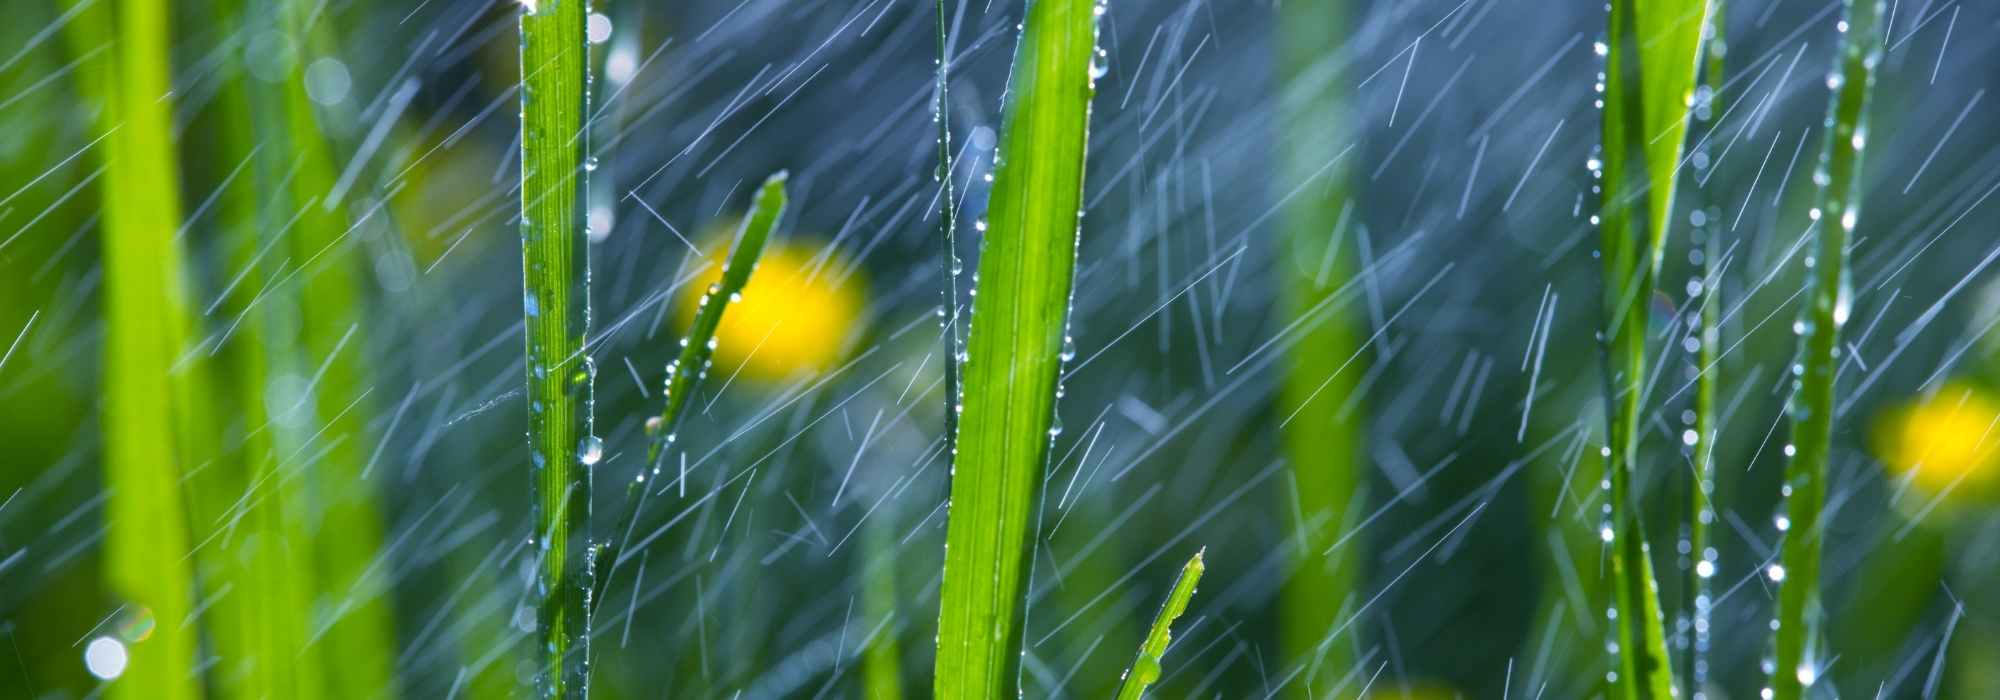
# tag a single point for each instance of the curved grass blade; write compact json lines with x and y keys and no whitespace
{"x":1797,"y":657}
{"x":691,"y":366}
{"x":154,"y":424}
{"x":1146,"y":667}
{"x":556,"y":306}
{"x":1027,"y":268}
{"x":1649,"y":78}
{"x":1323,"y":437}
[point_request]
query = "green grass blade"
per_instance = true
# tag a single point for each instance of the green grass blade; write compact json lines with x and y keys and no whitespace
{"x":1649,"y":78}
{"x":1698,"y":589}
{"x":881,"y":662}
{"x":1323,"y":440}
{"x":687,"y":370}
{"x":556,"y":306}
{"x":1026,"y":270}
{"x":330,"y":343}
{"x":947,"y":236}
{"x":151,"y":416}
{"x":1146,"y":667}
{"x":1798,"y":659}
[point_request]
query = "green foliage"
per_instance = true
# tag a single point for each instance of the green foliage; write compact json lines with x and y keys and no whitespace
{"x":1799,"y":662}
{"x":1323,"y":433}
{"x":1146,"y":666}
{"x":153,"y":422}
{"x":1026,"y":270}
{"x":1649,"y":78}
{"x":556,"y":305}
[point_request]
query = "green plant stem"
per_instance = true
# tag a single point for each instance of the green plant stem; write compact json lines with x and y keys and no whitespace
{"x":948,"y":236}
{"x":556,"y":306}
{"x":1026,"y":269}
{"x":1649,"y":78}
{"x":881,"y":662}
{"x":687,"y":370}
{"x":1323,"y":438}
{"x":1146,"y":666}
{"x":154,"y":424}
{"x":1839,"y":208}
{"x":330,"y":343}
{"x":1698,"y":591}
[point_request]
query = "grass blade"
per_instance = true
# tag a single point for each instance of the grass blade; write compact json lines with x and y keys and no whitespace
{"x":687,"y":370}
{"x":1323,"y":438}
{"x":361,"y":641}
{"x":556,"y":305}
{"x":1797,"y":631}
{"x":1026,"y":268}
{"x":153,"y":422}
{"x":1698,"y":591}
{"x":1649,"y":78}
{"x":1146,"y":667}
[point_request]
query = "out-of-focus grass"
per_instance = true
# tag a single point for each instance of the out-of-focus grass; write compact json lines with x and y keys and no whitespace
{"x":1026,"y":269}
{"x":1322,"y":435}
{"x":155,"y":423}
{"x":1696,"y":592}
{"x":556,"y":307}
{"x":257,"y":564}
{"x":1649,"y":78}
{"x":1798,"y":659}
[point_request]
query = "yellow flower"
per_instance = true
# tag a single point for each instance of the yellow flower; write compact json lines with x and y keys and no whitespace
{"x":1945,"y":440}
{"x":796,"y":315}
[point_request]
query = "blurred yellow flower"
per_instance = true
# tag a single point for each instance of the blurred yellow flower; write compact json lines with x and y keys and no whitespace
{"x":1945,"y":440}
{"x":795,"y":316}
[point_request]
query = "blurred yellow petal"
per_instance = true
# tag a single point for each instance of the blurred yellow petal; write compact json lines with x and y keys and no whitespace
{"x":1945,"y":440}
{"x":796,"y":315}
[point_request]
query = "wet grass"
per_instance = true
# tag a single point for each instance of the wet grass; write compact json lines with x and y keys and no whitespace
{"x":1648,"y":79}
{"x":1020,"y":319}
{"x":154,"y":417}
{"x":1799,"y":660}
{"x":1145,"y":668}
{"x":1323,"y":426}
{"x":556,"y":307}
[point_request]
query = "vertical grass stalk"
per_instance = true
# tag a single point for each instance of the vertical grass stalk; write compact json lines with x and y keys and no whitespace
{"x":1323,"y":440}
{"x":1796,"y":635}
{"x":947,"y":235}
{"x":152,"y":422}
{"x":1648,"y":80}
{"x":556,"y":307}
{"x":1697,"y":589}
{"x":1145,"y":667}
{"x":360,"y":637}
{"x":1027,"y":268}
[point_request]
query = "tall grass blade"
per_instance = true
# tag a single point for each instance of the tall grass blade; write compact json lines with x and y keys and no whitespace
{"x":687,"y":370}
{"x":153,"y":421}
{"x":249,"y":506}
{"x":1796,"y":636}
{"x":1697,"y":590}
{"x":1649,"y":78}
{"x":1323,"y":440}
{"x":556,"y":305}
{"x":1026,"y":268}
{"x":360,"y":638}
{"x":1146,"y":667}
{"x":947,"y":235}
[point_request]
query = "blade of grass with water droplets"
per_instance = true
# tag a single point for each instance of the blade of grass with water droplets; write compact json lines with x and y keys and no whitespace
{"x":1020,"y":321}
{"x":1795,"y":640}
{"x":1648,"y":79}
{"x":556,"y":307}
{"x":1697,"y":591}
{"x":1146,"y":667}
{"x":687,"y":370}
{"x":154,"y":424}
